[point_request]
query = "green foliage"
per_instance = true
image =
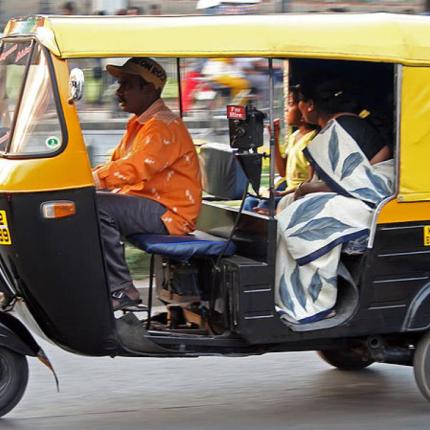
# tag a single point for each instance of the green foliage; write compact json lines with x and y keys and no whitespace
{"x":170,"y":91}
{"x":137,"y":261}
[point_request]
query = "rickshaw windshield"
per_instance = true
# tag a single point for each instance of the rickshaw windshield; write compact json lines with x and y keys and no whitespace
{"x":29,"y":122}
{"x":13,"y":61}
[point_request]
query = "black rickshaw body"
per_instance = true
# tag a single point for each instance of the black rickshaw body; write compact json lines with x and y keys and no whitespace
{"x":53,"y":266}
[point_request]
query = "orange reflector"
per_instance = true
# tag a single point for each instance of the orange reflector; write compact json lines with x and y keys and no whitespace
{"x":58,"y":209}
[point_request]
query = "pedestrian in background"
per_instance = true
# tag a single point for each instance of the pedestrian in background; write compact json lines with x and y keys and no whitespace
{"x":69,"y":8}
{"x":135,"y":10}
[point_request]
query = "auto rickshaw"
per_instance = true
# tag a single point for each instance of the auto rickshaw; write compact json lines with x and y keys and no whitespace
{"x":52,"y":267}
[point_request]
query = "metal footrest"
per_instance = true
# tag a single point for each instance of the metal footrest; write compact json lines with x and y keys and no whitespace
{"x":136,"y":308}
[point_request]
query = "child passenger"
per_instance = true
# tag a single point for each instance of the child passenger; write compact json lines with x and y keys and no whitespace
{"x":290,"y":162}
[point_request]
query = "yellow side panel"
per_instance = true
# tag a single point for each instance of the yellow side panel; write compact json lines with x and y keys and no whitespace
{"x":70,"y":169}
{"x":415,"y":135}
{"x":396,"y":212}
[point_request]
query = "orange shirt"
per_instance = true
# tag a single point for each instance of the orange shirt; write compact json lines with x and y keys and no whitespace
{"x":156,"y":159}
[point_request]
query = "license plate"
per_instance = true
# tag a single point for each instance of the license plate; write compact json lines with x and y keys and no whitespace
{"x":5,"y":238}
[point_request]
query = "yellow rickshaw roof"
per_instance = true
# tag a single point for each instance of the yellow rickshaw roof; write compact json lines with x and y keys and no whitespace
{"x":373,"y":37}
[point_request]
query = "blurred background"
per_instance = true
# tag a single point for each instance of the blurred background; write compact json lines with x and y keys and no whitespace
{"x":9,"y":8}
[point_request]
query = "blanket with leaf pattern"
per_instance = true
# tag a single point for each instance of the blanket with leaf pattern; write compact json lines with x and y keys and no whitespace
{"x":312,"y":230}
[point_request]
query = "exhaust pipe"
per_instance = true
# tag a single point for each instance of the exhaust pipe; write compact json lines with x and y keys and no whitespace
{"x":383,"y":353}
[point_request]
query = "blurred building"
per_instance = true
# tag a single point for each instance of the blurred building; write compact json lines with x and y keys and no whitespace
{"x":276,"y":6}
{"x":9,"y":8}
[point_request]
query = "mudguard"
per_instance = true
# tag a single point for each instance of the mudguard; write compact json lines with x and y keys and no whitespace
{"x":418,"y":315}
{"x":16,"y":337}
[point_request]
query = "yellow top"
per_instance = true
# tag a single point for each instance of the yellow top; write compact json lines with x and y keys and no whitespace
{"x":374,"y":37}
{"x":297,"y":167}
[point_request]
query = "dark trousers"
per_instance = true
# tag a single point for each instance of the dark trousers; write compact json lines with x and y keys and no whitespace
{"x":121,"y":216}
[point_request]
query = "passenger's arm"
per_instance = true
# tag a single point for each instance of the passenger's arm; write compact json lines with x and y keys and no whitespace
{"x":311,"y":187}
{"x":382,"y":155}
{"x":280,"y":161}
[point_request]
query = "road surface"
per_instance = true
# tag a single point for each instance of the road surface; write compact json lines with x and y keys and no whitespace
{"x":274,"y":391}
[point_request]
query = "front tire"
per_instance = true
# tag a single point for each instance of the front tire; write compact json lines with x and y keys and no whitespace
{"x":13,"y":379}
{"x":346,"y":359}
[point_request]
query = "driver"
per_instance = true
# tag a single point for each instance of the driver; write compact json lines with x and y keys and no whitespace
{"x":153,"y":178}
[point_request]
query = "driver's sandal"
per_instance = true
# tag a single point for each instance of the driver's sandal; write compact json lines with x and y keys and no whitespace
{"x":125,"y":298}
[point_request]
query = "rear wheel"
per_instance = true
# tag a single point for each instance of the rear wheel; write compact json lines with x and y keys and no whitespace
{"x":346,"y":359}
{"x":13,"y":379}
{"x":422,"y":366}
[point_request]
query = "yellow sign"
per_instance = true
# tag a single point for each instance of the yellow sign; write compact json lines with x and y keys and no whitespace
{"x":427,"y":235}
{"x":4,"y":230}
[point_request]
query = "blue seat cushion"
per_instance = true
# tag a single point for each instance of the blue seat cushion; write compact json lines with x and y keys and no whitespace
{"x":183,"y":247}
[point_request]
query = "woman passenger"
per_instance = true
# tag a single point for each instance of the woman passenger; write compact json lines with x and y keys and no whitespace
{"x":351,"y":176}
{"x":334,"y":100}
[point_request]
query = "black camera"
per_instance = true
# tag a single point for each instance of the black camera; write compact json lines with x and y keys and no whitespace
{"x":246,"y":126}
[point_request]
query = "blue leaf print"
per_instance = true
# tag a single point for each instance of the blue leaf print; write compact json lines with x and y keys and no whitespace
{"x":332,"y":281}
{"x":285,"y":296}
{"x":333,"y":150}
{"x":298,"y":287}
{"x":309,"y":208}
{"x":377,"y":182}
{"x":367,"y":195}
{"x":320,"y":228}
{"x":390,"y":184}
{"x":350,"y":164}
{"x":315,"y":286}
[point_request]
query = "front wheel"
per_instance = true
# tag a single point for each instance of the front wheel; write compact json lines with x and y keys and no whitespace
{"x":422,"y":366}
{"x":13,"y":379}
{"x":346,"y":359}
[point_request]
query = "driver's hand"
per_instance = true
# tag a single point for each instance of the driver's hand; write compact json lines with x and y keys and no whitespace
{"x":96,"y":180}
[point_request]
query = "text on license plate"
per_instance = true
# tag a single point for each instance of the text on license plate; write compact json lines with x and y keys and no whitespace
{"x":5,"y":238}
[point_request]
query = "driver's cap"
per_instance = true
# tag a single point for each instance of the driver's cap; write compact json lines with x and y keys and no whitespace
{"x":146,"y":68}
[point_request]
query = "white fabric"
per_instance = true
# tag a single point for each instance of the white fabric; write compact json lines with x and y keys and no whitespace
{"x":311,"y":230}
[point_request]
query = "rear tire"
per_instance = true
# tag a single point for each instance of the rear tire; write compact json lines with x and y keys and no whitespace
{"x":422,"y":366}
{"x":345,"y":359}
{"x":13,"y":379}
